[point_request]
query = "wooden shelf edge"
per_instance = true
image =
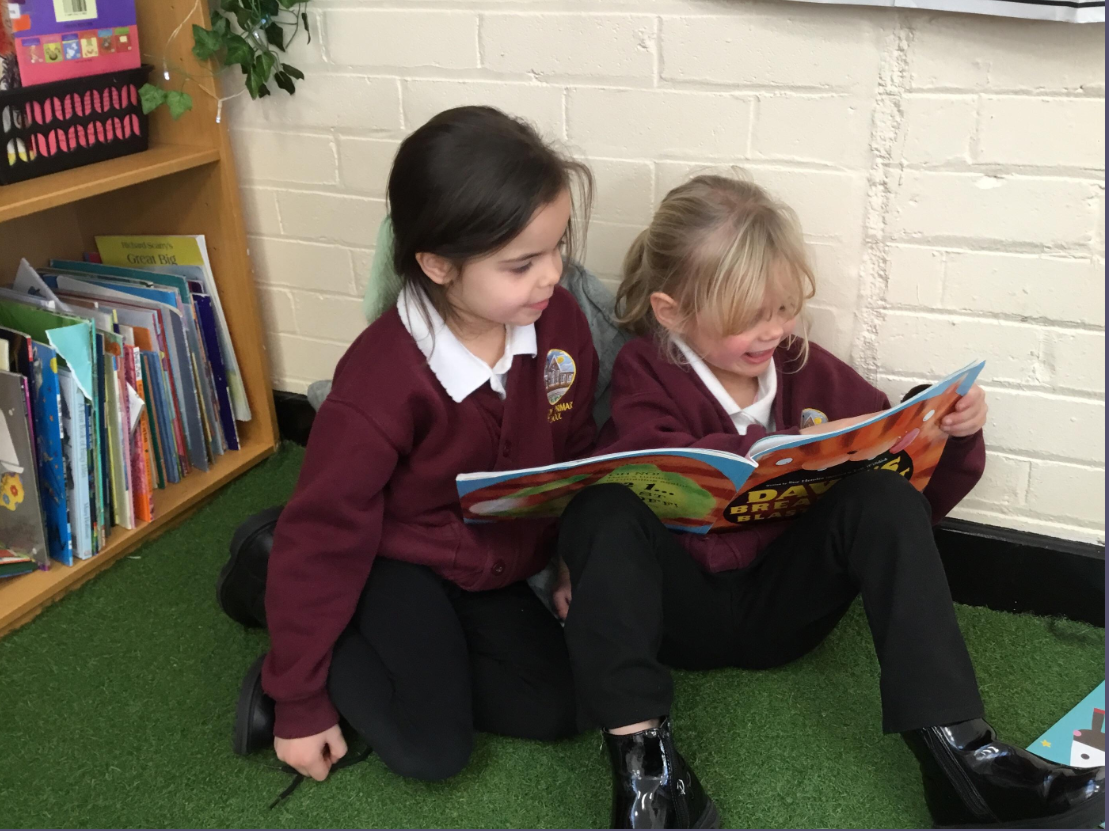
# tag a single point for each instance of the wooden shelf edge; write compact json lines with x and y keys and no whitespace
{"x":45,"y":192}
{"x":23,"y":598}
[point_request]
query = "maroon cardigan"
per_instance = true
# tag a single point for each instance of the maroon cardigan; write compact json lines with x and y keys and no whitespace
{"x":656,"y":403}
{"x":378,"y":480}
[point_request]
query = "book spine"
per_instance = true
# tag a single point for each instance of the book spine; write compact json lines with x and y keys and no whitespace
{"x":154,"y":430}
{"x":209,"y":334}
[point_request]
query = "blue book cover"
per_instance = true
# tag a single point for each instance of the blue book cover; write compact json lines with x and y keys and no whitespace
{"x":46,"y":412}
{"x":75,"y":448}
{"x":1078,"y":738}
{"x":158,"y":394}
{"x":210,"y":334}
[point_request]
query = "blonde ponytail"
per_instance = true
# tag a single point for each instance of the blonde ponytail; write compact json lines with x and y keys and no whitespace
{"x":633,"y":299}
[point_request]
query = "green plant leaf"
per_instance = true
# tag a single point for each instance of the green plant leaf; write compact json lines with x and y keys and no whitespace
{"x":276,"y":36}
{"x":239,"y":51}
{"x":264,"y":64}
{"x":285,"y":82}
{"x":288,"y":4}
{"x":260,"y":73}
{"x":247,"y":18}
{"x":270,"y":8}
{"x":253,"y":84}
{"x":205,"y":43}
{"x":179,"y":103}
{"x":304,"y":17}
{"x":292,"y":71}
{"x":152,"y":97}
{"x":221,"y":25}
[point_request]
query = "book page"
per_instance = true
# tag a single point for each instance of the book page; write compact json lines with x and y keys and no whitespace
{"x":795,"y":471}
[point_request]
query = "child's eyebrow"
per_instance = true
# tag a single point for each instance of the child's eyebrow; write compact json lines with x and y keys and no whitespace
{"x":521,"y":257}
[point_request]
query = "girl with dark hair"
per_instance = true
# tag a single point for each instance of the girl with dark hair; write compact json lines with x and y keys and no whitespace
{"x":383,"y":608}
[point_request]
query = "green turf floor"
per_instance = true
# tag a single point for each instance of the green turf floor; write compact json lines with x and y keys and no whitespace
{"x":118,"y":704}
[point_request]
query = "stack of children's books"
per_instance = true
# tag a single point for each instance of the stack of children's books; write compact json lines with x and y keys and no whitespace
{"x":117,"y":379}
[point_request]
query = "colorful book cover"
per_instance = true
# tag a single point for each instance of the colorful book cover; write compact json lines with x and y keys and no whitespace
{"x":165,"y":302}
{"x":140,"y":482}
{"x":159,"y":394}
{"x":1078,"y":738}
{"x":49,"y":434}
{"x":13,"y":565}
{"x":74,"y":340}
{"x":60,"y":39}
{"x":149,"y":476}
{"x":172,"y":290}
{"x":22,"y":530}
{"x":168,"y":252}
{"x":147,"y":362}
{"x":123,"y":510}
{"x":699,"y":491}
{"x":77,"y":465}
{"x":210,"y":334}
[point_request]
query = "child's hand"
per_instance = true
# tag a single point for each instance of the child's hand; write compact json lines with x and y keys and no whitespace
{"x":969,"y":415}
{"x":561,"y":594}
{"x":313,"y":755}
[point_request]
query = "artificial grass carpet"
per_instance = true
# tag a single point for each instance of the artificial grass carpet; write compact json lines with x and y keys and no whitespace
{"x":119,"y":701}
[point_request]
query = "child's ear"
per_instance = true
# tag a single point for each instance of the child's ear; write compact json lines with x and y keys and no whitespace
{"x":665,"y":308}
{"x":438,"y":269}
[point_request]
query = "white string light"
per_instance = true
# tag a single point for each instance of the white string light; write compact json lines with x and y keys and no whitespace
{"x":173,"y":34}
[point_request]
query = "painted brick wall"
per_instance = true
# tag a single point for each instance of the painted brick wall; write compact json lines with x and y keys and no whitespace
{"x":948,"y":171}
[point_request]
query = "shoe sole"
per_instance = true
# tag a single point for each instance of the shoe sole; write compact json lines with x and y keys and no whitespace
{"x":248,"y":700}
{"x":710,"y":817}
{"x":1088,"y":814}
{"x":238,"y":543}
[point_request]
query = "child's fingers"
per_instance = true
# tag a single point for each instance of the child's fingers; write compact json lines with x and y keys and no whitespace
{"x":338,"y":747}
{"x":963,"y":426}
{"x":974,"y":397}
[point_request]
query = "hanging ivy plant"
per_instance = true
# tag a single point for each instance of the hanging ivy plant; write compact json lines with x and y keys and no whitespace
{"x":250,"y":34}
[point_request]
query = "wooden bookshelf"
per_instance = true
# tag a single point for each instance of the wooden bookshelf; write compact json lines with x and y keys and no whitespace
{"x":184,"y":184}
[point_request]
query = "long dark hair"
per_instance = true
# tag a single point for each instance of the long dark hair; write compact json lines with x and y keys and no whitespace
{"x":467,"y":182}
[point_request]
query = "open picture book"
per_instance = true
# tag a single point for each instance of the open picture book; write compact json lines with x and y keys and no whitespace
{"x":701,"y":491}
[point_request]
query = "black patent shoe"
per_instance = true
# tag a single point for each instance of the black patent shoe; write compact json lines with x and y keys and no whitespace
{"x":652,"y":786}
{"x":972,"y":780}
{"x":241,"y":588}
{"x":254,"y":729}
{"x":253,"y":714}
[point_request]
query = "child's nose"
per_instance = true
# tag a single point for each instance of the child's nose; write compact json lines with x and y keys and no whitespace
{"x":773,"y":329}
{"x":552,"y":272}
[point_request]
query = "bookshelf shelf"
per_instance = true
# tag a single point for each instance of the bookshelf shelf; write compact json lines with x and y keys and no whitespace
{"x":184,"y":184}
{"x":25,"y":198}
{"x":22,"y":598}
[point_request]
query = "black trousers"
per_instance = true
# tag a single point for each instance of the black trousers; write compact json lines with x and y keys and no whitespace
{"x":641,"y":602}
{"x":424,"y":663}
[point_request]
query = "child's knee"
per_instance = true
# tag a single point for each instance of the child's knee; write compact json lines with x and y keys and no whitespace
{"x":431,"y":758}
{"x":882,"y":493}
{"x":599,"y":504}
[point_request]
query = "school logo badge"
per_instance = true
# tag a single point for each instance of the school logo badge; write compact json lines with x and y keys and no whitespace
{"x":559,"y":374}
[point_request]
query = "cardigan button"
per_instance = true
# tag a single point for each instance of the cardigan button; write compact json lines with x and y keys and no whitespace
{"x":498,"y":568}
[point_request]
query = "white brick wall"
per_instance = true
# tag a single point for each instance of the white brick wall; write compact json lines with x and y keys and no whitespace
{"x":948,"y":171}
